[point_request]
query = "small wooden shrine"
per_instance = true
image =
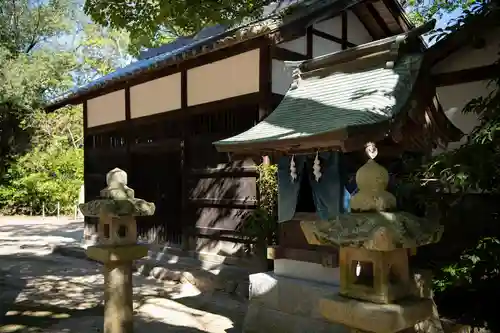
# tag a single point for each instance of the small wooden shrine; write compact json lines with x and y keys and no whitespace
{"x":377,"y":92}
{"x":156,"y":118}
{"x":374,"y":95}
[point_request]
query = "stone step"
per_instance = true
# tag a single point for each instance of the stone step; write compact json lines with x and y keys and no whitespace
{"x":232,"y":280}
{"x":173,"y":254}
{"x":208,"y":272}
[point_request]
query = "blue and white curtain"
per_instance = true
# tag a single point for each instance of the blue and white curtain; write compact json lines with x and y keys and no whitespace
{"x":329,"y":193}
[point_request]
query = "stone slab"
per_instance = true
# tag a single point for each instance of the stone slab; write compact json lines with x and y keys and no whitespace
{"x":260,"y":319}
{"x":371,"y":317}
{"x":290,"y":295}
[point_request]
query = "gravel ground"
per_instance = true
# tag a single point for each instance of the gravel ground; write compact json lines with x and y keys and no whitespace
{"x":41,"y":291}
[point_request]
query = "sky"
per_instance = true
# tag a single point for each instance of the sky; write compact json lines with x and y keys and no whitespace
{"x":442,"y":23}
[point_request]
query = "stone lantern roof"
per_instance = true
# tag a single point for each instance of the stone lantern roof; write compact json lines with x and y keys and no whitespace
{"x":117,"y":199}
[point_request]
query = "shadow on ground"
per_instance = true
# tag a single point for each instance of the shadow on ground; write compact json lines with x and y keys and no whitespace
{"x":34,"y":318}
{"x":52,"y":293}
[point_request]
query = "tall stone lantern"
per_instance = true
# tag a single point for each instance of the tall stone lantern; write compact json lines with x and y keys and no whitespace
{"x":374,"y":239}
{"x":117,"y":249}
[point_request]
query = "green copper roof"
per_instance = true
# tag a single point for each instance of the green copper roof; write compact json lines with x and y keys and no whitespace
{"x":337,"y":100}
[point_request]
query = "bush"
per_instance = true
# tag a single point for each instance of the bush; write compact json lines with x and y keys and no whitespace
{"x":51,"y":172}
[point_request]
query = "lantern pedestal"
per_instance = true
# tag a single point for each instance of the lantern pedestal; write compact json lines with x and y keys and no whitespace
{"x":118,"y":306}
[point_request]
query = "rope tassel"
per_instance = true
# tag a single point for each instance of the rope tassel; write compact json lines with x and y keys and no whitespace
{"x":317,"y":168}
{"x":293,"y":169}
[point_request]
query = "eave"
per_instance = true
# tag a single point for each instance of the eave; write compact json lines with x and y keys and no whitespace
{"x":303,"y":122}
{"x":274,"y":29}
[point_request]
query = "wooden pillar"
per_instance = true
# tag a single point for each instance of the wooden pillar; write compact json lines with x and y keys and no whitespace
{"x":89,"y":228}
{"x":129,"y":131}
{"x":344,"y":30}
{"x":186,"y":230}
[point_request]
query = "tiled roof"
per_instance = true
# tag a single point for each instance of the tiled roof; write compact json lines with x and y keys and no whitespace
{"x":323,"y":103}
{"x":338,"y":94}
{"x":273,"y":18}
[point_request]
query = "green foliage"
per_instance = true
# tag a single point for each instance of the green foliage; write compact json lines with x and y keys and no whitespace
{"x":152,"y":23}
{"x":471,"y":275}
{"x":101,"y":51}
{"x":52,"y":171}
{"x":45,"y":48}
{"x":420,"y":11}
{"x":263,"y":222}
{"x":25,"y":24}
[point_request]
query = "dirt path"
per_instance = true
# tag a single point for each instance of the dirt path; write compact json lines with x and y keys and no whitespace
{"x":44,"y":292}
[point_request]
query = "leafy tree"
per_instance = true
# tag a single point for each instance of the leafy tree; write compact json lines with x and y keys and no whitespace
{"x":25,"y":24}
{"x":100,"y":51}
{"x":470,"y":273}
{"x":51,"y":171}
{"x":29,"y":71}
{"x":46,"y":48}
{"x":153,"y":23}
{"x":420,"y":11}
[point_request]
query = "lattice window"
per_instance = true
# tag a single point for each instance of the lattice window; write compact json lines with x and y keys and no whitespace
{"x":225,"y":122}
{"x":157,"y":131}
{"x":106,"y":140}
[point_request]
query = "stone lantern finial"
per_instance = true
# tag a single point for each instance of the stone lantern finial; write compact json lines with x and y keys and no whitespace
{"x":116,"y":176}
{"x":117,"y":188}
{"x":372,"y":180}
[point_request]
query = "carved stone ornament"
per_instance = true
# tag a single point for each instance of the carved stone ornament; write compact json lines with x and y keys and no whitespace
{"x":372,"y":180}
{"x":117,"y":199}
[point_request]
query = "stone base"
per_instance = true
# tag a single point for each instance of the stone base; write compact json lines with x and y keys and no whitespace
{"x":282,"y":304}
{"x":371,"y":317}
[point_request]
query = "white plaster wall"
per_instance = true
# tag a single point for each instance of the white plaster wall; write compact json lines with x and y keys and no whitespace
{"x":106,"y":109}
{"x":323,"y":46}
{"x":281,"y":77}
{"x":160,"y":95}
{"x":230,"y":77}
{"x":356,"y":33}
{"x":453,"y":98}
{"x":469,"y":57}
{"x":298,"y":45}
{"x":331,"y":26}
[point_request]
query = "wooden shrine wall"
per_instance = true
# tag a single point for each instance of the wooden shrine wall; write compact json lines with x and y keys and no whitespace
{"x":172,"y":162}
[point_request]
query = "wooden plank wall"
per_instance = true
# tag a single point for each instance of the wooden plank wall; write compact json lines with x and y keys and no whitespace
{"x":171,"y":161}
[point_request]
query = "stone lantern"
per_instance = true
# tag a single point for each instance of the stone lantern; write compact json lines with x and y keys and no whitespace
{"x":374,"y":239}
{"x":116,"y":209}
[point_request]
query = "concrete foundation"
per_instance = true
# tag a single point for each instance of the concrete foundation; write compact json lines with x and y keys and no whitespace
{"x":281,"y":304}
{"x":306,"y":271}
